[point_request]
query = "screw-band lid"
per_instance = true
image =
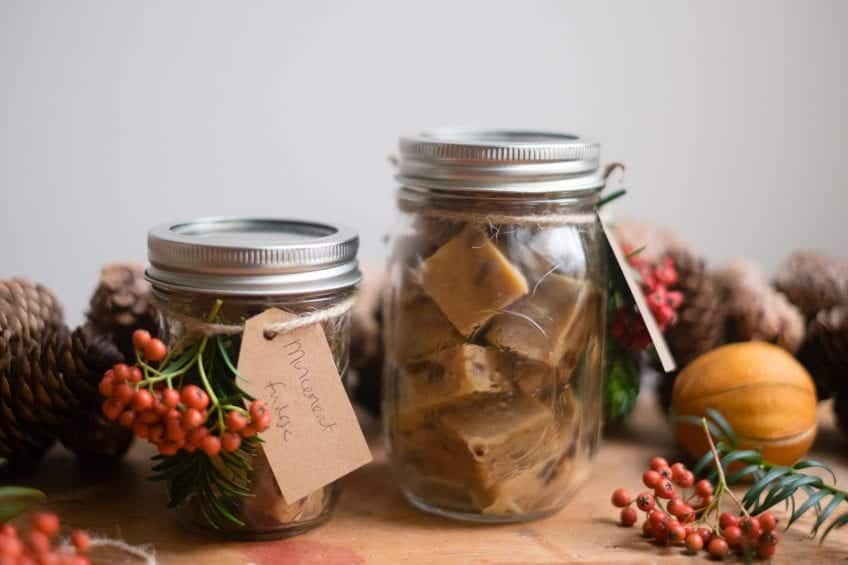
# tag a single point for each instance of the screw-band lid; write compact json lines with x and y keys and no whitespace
{"x":512,"y":161}
{"x":252,"y":256}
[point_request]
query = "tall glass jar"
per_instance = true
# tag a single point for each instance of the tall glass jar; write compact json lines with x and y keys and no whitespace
{"x":494,"y":318}
{"x":237,"y":268}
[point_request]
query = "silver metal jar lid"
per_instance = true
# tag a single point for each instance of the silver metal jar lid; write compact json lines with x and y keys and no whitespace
{"x":252,"y":256}
{"x":524,"y":162}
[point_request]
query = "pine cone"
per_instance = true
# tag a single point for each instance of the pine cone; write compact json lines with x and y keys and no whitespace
{"x":652,"y":241}
{"x":825,"y":352}
{"x":96,"y":441}
{"x":756,"y":311}
{"x":121,"y":304}
{"x":813,"y":282}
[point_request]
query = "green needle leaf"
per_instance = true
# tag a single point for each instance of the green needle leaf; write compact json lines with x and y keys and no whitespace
{"x":837,"y":523}
{"x":811,"y":501}
{"x":828,"y":510}
{"x":810,"y":463}
{"x":726,"y":428}
{"x":17,"y":500}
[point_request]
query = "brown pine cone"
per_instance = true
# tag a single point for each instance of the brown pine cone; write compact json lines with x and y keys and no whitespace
{"x":813,"y":282}
{"x":27,"y":311}
{"x":85,"y":357}
{"x":755,"y":310}
{"x":700,"y":319}
{"x":825,"y":352}
{"x":121,"y":304}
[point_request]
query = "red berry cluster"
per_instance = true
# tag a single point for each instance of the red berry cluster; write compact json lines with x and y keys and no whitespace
{"x":171,"y":418}
{"x":655,"y":281}
{"x":37,"y":545}
{"x":684,"y":518}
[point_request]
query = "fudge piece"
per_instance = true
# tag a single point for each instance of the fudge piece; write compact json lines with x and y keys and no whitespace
{"x":494,"y":437}
{"x":422,"y":329}
{"x":471,"y":280}
{"x":554,"y":321}
{"x":451,"y":375}
{"x":534,"y":489}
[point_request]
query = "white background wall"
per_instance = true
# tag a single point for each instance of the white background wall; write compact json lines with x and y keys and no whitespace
{"x":116,"y":115}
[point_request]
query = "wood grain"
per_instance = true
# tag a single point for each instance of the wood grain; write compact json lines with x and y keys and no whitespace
{"x":373,"y":525}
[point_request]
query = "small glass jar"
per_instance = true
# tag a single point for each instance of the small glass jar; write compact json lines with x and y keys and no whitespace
{"x":494,"y":317}
{"x":246,"y":266}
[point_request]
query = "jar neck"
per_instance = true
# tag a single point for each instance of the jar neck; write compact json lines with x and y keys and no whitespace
{"x":504,"y":205}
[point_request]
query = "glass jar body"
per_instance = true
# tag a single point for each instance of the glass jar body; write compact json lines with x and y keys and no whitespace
{"x":264,"y":514}
{"x":494,"y":318}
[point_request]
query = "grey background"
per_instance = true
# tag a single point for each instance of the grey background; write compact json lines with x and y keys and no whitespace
{"x":117,"y":115}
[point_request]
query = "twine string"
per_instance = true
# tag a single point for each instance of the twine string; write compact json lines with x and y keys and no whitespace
{"x":270,"y":331}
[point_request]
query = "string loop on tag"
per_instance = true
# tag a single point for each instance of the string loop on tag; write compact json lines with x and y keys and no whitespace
{"x":194,"y":325}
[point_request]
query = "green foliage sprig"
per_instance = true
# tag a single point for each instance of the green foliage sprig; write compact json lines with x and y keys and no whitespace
{"x":773,"y":484}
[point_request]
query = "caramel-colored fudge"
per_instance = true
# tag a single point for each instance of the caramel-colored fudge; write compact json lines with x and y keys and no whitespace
{"x":495,"y":437}
{"x":550,"y":324}
{"x":422,"y":329}
{"x":452,"y":374}
{"x":471,"y":280}
{"x":534,"y":489}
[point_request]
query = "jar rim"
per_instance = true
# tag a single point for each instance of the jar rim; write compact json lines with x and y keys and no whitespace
{"x":252,"y":256}
{"x":499,"y":161}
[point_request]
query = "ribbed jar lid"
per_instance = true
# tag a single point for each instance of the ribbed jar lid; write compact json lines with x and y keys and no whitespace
{"x":252,"y":256}
{"x":511,"y":161}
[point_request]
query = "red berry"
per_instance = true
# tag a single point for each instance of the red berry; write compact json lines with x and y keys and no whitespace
{"x":170,"y":397}
{"x":211,"y":445}
{"x":140,"y":429}
{"x":106,"y":386}
{"x":195,"y":437}
{"x":135,"y":375}
{"x":231,"y":441}
{"x":46,"y":523}
{"x":767,"y":521}
{"x":665,"y":473}
{"x":140,"y":339}
{"x":750,"y":527}
{"x":173,"y":430}
{"x":769,"y":538}
{"x":765,"y":551}
{"x":248,"y":431}
{"x":717,"y":548}
{"x":263,"y":423}
{"x":732,"y":534}
{"x":687,"y":514}
{"x":236,"y":422}
{"x":706,"y":500}
{"x":703,"y":488}
{"x":142,"y":400}
{"x":686,"y":480}
{"x":169,"y":448}
{"x":675,"y":505}
{"x":674,"y":299}
{"x":192,"y":418}
{"x":651,"y":478}
{"x":621,"y":498}
{"x":149,"y":418}
{"x":195,"y":397}
{"x":124,"y":393}
{"x":155,"y":350}
{"x":726,"y":519}
{"x":647,"y":529}
{"x":706,"y":534}
{"x":258,"y":410}
{"x":10,"y":547}
{"x":121,"y":372}
{"x":677,"y":471}
{"x":676,"y":532}
{"x":127,"y":419}
{"x":38,"y":541}
{"x":156,"y":433}
{"x":645,"y":502}
{"x":81,"y":541}
{"x":664,"y":489}
{"x":657,"y":517}
{"x":628,"y":516}
{"x":112,"y":408}
{"x":694,"y":542}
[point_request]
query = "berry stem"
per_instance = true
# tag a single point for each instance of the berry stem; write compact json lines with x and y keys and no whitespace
{"x":722,"y":482}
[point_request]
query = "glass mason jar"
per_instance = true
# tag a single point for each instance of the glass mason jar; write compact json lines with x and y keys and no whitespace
{"x":239,"y":267}
{"x":494,"y":322}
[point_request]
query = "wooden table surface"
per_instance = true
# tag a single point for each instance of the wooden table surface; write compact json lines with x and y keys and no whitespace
{"x":373,"y":525}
